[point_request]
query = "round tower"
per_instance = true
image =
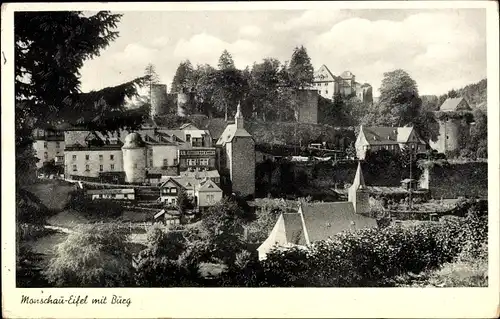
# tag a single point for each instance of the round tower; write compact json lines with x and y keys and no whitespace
{"x":158,"y":99}
{"x":134,"y":158}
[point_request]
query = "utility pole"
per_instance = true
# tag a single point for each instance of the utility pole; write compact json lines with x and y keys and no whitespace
{"x":411,"y":179}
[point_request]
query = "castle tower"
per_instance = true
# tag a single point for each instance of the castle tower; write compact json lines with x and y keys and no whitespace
{"x":134,"y":158}
{"x":159,"y":99}
{"x":238,"y":149}
{"x":452,"y":127}
{"x":358,"y":193}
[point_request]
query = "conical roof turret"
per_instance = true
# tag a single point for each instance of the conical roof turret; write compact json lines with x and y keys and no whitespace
{"x":359,"y":180}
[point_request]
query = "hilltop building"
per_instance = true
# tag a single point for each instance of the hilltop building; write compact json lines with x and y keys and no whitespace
{"x":237,"y":157}
{"x":452,"y":129}
{"x":393,"y":139}
{"x":319,"y":221}
{"x":329,"y":85}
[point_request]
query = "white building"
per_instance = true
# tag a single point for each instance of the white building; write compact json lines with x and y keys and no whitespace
{"x":49,"y":146}
{"x":393,"y":139}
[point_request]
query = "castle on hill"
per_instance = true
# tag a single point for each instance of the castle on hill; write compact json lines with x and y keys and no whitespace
{"x":329,"y":85}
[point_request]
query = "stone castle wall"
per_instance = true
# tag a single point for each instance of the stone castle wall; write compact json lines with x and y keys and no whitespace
{"x":307,"y":106}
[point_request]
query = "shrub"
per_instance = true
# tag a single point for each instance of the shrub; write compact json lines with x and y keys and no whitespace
{"x":368,"y":257}
{"x":31,"y":232}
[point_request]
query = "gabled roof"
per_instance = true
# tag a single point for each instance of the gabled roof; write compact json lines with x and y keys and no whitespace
{"x":190,"y":126}
{"x":314,"y":222}
{"x":209,"y":186}
{"x":323,"y":74}
{"x":383,"y":135}
{"x":455,"y":104}
{"x":323,"y":220}
{"x":173,"y":180}
{"x":231,"y":132}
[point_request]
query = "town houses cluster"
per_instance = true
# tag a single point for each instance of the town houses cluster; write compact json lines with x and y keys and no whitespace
{"x":187,"y":157}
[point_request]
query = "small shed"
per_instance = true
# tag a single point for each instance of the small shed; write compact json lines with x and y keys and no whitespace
{"x":113,"y":193}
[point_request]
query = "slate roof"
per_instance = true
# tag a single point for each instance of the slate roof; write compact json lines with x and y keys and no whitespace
{"x":320,"y":221}
{"x":452,"y":104}
{"x":201,"y":174}
{"x":231,"y":132}
{"x":209,"y":186}
{"x":383,"y":135}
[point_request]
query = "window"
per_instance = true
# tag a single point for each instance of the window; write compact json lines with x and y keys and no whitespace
{"x":111,"y":157}
{"x":135,"y":165}
{"x":74,"y":168}
{"x":45,"y":155}
{"x":125,"y":196}
{"x":210,"y":198}
{"x":87,"y":168}
{"x":87,"y":157}
{"x":151,"y":163}
{"x":101,"y":168}
{"x":112,"y":166}
{"x":44,"y":144}
{"x":58,"y":144}
{"x":113,"y":195}
{"x":175,"y":161}
{"x":326,"y":91}
{"x":74,"y":157}
{"x":173,"y":190}
{"x":188,"y":137}
{"x":165,"y":162}
{"x":100,"y":157}
{"x":191,"y":162}
{"x":204,"y":161}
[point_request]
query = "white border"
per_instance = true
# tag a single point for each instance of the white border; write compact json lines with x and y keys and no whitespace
{"x":256,"y":302}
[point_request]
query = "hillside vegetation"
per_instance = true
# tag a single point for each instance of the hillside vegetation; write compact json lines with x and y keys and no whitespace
{"x":475,"y":94}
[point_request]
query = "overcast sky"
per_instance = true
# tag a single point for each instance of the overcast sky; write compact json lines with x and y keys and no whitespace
{"x":440,"y":48}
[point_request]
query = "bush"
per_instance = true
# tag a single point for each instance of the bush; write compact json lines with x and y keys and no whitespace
{"x":374,"y":257}
{"x":31,"y":232}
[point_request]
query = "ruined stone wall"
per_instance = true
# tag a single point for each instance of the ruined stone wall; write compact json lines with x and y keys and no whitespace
{"x":307,"y":106}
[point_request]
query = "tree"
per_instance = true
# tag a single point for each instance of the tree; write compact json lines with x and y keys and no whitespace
{"x":300,"y":69}
{"x":226,"y":61}
{"x":50,"y":49}
{"x":203,"y":79}
{"x":162,"y":262}
{"x":183,"y":204}
{"x":151,"y":78}
{"x":399,"y":101}
{"x":228,"y":85}
{"x":95,"y":255}
{"x":28,"y":268}
{"x":183,"y":77}
{"x":264,"y":87}
{"x":223,"y":224}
